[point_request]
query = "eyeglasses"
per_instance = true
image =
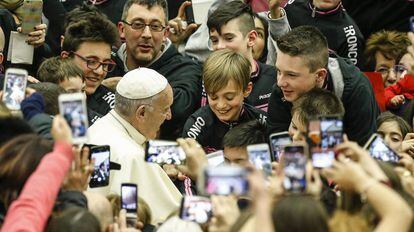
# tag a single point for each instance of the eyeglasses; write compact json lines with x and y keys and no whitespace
{"x":398,"y":69}
{"x":140,"y":26}
{"x":94,"y":64}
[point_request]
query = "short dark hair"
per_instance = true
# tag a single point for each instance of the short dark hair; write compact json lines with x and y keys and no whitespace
{"x":50,"y":93}
{"x":317,"y":102}
{"x":390,"y":117}
{"x":82,"y":12}
{"x":229,"y":11}
{"x":148,"y":3}
{"x":90,"y":29}
{"x":57,"y":70}
{"x":252,"y":132}
{"x":307,"y":42}
{"x":11,"y":127}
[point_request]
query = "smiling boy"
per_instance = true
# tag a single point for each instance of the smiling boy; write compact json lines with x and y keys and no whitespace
{"x":226,"y":77}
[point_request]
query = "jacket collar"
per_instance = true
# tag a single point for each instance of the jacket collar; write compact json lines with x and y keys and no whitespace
{"x":132,"y":132}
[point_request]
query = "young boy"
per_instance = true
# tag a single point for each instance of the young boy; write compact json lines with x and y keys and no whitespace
{"x":226,"y":77}
{"x":62,"y":72}
{"x":314,"y":103}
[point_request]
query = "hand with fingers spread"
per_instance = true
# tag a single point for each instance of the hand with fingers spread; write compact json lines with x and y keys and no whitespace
{"x":179,"y":30}
{"x":397,"y":100}
{"x":348,"y":174}
{"x":225,"y":213}
{"x":353,"y":151}
{"x":77,"y":178}
{"x":196,"y":158}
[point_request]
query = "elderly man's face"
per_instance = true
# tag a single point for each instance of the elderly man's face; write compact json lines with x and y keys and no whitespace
{"x":157,"y":113}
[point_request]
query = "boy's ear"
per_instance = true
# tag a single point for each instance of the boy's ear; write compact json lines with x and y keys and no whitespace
{"x":248,"y":90}
{"x":64,"y":54}
{"x":321,"y":75}
{"x":251,"y":36}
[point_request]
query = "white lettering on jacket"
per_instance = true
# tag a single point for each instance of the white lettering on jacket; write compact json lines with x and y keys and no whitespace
{"x":195,"y":129}
{"x":264,"y":96}
{"x":110,"y":99}
{"x":352,"y":40}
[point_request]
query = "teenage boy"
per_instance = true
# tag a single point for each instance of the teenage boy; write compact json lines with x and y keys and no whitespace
{"x":63,"y":73}
{"x":144,"y":27}
{"x":87,"y":43}
{"x":226,"y":77}
{"x":316,"y":102}
{"x":232,"y":26}
{"x":303,"y":63}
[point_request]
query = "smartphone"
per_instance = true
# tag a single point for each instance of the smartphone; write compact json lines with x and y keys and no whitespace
{"x":224,"y":180}
{"x":189,"y":14}
{"x":73,"y":108}
{"x":129,"y":202}
{"x":412,"y":23}
{"x":259,"y":156}
{"x":294,"y":167}
{"x":324,"y":134}
{"x":31,"y":15}
{"x":277,"y":142}
{"x":380,"y":150}
{"x":100,"y":174}
{"x":196,"y":209}
{"x":215,"y":158}
{"x":164,"y":152}
{"x":14,"y":88}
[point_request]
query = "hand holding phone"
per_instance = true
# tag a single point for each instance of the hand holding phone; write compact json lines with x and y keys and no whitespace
{"x":14,"y":87}
{"x":259,"y":156}
{"x":277,"y":143}
{"x":324,"y":134}
{"x":379,"y":150}
{"x":129,"y":202}
{"x":196,"y":209}
{"x":73,"y":108}
{"x":32,"y":15}
{"x":164,"y":152}
{"x":294,"y":167}
{"x":100,"y":174}
{"x":224,"y":180}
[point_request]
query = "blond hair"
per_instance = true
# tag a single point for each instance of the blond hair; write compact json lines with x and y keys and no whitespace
{"x":225,"y":65}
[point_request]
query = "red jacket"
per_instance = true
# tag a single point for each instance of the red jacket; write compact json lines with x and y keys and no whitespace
{"x":35,"y":203}
{"x":404,"y":86}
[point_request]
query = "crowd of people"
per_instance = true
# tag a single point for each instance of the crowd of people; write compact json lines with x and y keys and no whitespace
{"x":223,"y":88}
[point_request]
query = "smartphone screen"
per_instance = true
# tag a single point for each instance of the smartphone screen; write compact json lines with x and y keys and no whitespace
{"x":73,"y":108}
{"x":381,"y":151}
{"x":100,"y":174}
{"x":225,"y":180}
{"x":14,"y":88}
{"x":259,"y":156}
{"x":189,"y":14}
{"x":31,"y":15}
{"x":277,"y":143}
{"x":129,"y":198}
{"x":324,"y":134}
{"x":412,"y":23}
{"x":164,"y":152}
{"x":196,"y":209}
{"x":294,"y":167}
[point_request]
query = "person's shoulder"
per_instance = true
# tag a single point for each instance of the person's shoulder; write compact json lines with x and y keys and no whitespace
{"x":204,"y":112}
{"x":251,"y":112}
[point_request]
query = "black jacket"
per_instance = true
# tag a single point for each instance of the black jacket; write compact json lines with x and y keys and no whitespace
{"x":361,"y":109}
{"x":375,"y":15}
{"x":209,"y":131}
{"x":262,"y":81}
{"x":99,"y":103}
{"x":184,"y":76}
{"x":342,"y":33}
